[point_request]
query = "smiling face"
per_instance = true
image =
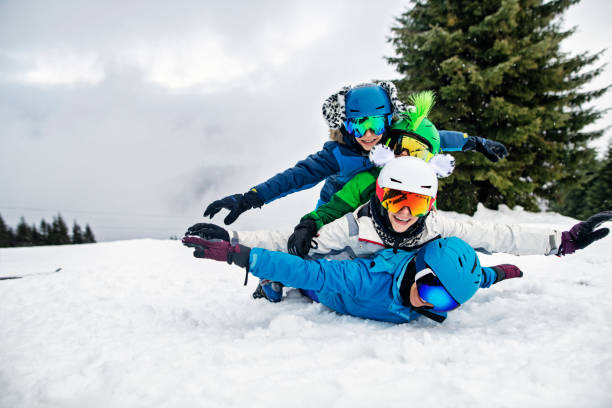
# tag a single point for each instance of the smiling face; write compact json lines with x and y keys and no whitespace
{"x":369,"y":140}
{"x":402,"y":220}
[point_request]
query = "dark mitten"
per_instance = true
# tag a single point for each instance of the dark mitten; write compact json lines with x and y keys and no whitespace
{"x":492,"y":150}
{"x":584,"y":234}
{"x":208,"y":231}
{"x":218,"y":250}
{"x":506,"y":271}
{"x":236,"y":204}
{"x":303,"y":233}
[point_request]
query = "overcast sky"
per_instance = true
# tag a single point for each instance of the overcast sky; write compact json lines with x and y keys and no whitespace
{"x":132,"y":116}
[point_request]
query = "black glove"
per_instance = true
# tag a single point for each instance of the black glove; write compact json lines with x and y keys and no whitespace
{"x":583,"y":234}
{"x":492,"y":150}
{"x":299,"y":242}
{"x":237,"y":204}
{"x":208,"y":231}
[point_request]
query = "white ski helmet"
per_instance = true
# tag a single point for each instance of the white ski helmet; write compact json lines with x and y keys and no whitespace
{"x":410,"y":174}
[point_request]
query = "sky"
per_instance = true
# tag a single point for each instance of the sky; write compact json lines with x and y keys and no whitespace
{"x":133,"y":116}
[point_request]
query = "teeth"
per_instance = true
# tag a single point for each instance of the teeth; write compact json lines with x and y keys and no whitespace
{"x":401,"y":219}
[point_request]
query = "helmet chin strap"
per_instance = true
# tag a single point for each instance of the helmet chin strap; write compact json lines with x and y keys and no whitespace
{"x":424,"y":310}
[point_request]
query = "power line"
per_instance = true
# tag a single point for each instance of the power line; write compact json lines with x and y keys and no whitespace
{"x":112,"y":213}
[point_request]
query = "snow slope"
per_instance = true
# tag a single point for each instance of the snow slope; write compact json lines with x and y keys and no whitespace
{"x":144,"y":324}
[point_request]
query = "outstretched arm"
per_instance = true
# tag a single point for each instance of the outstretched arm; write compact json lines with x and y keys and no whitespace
{"x":305,"y":174}
{"x":346,"y":277}
{"x":452,"y":141}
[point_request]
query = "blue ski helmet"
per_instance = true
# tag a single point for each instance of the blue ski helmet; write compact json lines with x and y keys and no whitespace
{"x":456,"y":265}
{"x":367,"y":100}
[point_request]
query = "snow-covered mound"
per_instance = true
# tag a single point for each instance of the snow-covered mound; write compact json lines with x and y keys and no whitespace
{"x":144,"y":324}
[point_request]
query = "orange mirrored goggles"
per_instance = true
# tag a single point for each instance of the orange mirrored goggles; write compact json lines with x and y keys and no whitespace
{"x":394,"y":200}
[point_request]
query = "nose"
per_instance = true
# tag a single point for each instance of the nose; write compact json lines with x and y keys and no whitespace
{"x":405,"y":212}
{"x":370,"y":133}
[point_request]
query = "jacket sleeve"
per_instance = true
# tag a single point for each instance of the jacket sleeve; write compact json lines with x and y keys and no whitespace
{"x":356,"y":191}
{"x":305,"y":174}
{"x":272,"y":240}
{"x":452,"y":141}
{"x":509,"y":238}
{"x":344,"y":277}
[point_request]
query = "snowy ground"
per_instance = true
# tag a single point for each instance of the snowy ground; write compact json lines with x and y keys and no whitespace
{"x":143,"y":324}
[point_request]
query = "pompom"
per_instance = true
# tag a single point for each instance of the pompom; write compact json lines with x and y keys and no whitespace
{"x":442,"y":164}
{"x":381,"y":155}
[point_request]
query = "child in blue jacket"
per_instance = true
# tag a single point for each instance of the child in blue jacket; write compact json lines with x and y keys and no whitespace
{"x":391,"y":287}
{"x":359,"y":118}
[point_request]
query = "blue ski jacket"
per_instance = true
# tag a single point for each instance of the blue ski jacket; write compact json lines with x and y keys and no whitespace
{"x":363,"y":287}
{"x":336,"y":163}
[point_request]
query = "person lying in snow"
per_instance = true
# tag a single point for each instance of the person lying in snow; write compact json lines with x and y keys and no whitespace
{"x":400,"y":216}
{"x":359,"y":118}
{"x":395,"y":287}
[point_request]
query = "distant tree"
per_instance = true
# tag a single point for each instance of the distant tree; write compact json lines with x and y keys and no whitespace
{"x":59,"y":231}
{"x":77,"y":234}
{"x":36,"y":236}
{"x":45,"y":232}
{"x":599,"y":193}
{"x":23,"y":234}
{"x":4,"y":234}
{"x":88,"y":238}
{"x":591,"y":194}
{"x":498,"y":70}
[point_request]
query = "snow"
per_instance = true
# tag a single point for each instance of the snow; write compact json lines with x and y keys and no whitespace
{"x":144,"y":324}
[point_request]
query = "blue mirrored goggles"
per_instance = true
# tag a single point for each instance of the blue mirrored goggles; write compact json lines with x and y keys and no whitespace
{"x":432,"y":291}
{"x":357,"y":127}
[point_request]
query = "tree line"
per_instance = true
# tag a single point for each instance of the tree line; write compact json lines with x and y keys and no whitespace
{"x":53,"y":233}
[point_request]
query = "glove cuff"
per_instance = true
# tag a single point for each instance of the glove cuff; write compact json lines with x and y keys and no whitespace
{"x":470,"y":144}
{"x":239,"y":255}
{"x":253,"y":198}
{"x":307,"y":224}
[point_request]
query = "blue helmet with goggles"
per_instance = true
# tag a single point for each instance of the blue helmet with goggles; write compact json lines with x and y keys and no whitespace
{"x":367,"y":107}
{"x":448,"y":273}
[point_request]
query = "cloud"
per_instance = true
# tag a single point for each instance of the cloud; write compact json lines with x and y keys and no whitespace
{"x":56,"y":67}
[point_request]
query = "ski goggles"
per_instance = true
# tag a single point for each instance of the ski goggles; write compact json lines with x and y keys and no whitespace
{"x":432,"y":291}
{"x":414,"y":148}
{"x":394,"y":200}
{"x":358,"y":127}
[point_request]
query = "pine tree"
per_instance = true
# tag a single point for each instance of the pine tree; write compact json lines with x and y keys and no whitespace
{"x":36,"y":236}
{"x":599,"y":191}
{"x":4,"y":234}
{"x":88,"y":236}
{"x":23,"y":234}
{"x":45,"y":232}
{"x":77,"y":234}
{"x":59,"y":231}
{"x":498,"y":71}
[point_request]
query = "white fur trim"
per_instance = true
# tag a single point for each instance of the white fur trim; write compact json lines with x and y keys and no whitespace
{"x":381,"y":155}
{"x":443,"y":165}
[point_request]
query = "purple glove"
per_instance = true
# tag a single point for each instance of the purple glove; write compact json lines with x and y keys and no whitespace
{"x":582,"y":234}
{"x":506,"y":271}
{"x":219,"y":250}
